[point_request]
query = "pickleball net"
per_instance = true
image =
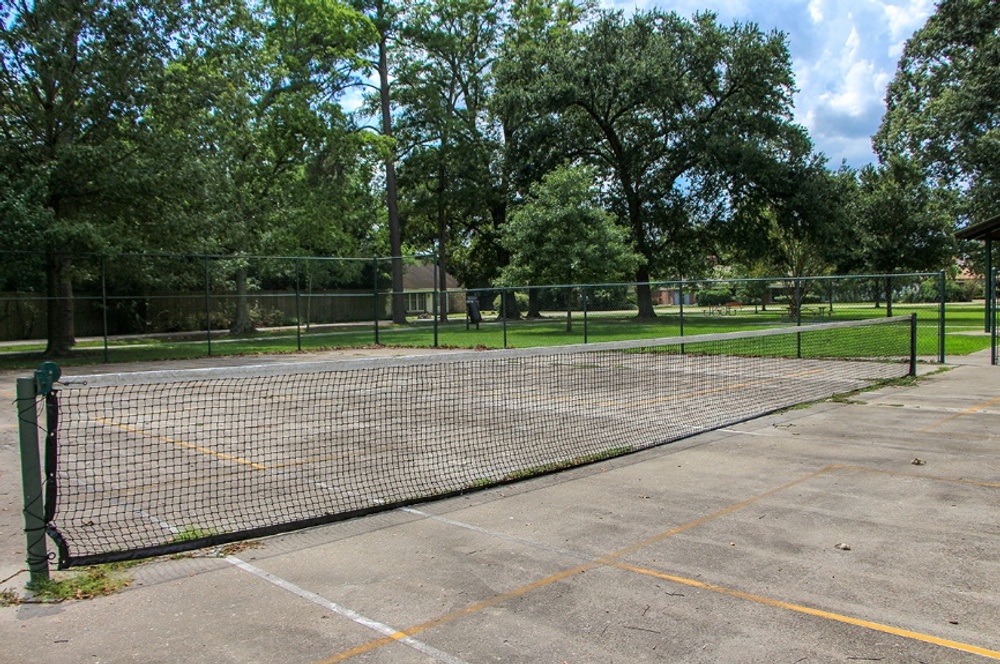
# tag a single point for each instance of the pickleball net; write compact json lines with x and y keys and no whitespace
{"x":160,"y":462}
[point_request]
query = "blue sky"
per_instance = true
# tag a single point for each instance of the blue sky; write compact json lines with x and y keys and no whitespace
{"x":844,"y":53}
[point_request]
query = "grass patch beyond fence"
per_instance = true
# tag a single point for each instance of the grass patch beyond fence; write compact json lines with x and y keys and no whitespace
{"x":963,"y":325}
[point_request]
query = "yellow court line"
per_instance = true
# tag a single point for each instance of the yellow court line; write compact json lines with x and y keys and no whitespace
{"x":715,"y":515}
{"x":918,"y":476}
{"x":878,"y":627}
{"x":190,"y":446}
{"x":967,"y":411}
{"x":612,"y":560}
{"x":303,"y":462}
{"x":448,"y":617}
{"x":713,"y":390}
{"x":559,"y":576}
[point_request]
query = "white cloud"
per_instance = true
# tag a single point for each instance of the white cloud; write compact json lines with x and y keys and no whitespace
{"x":844,"y":54}
{"x":816,"y":10}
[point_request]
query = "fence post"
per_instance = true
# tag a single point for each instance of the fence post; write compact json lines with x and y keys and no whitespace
{"x":208,"y":304}
{"x":298,"y":303}
{"x":584,"y":315}
{"x":798,"y":318}
{"x":942,"y":310}
{"x":375,"y":294}
{"x":992,"y":306}
{"x":989,"y":297}
{"x":104,"y":304}
{"x":435,"y":304}
{"x":680,"y":291}
{"x":31,"y":482}
{"x":913,"y":345}
{"x":503,"y":313}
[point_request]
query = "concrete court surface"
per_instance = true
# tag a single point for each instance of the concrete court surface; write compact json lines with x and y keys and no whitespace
{"x":720,"y":548}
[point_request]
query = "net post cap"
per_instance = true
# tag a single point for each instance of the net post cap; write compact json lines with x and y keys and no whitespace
{"x":45,"y":376}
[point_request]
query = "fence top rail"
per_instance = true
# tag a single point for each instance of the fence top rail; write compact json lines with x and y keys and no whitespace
{"x":696,"y":281}
{"x":91,"y":254}
{"x":460,"y":357}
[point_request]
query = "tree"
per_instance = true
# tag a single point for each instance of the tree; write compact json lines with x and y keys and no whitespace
{"x":943,"y":105}
{"x":386,"y":18}
{"x":902,"y":223}
{"x":652,"y":100}
{"x":442,"y":89}
{"x":562,"y":235}
{"x":271,"y":75}
{"x":791,"y":215}
{"x":77,"y":81}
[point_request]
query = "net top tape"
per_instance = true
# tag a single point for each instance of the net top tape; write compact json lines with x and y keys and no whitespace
{"x":445,"y":357}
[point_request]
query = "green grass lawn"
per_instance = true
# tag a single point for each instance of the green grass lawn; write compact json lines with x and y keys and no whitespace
{"x":964,"y":333}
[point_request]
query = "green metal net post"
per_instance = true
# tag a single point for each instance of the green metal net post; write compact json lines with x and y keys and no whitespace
{"x":31,"y":482}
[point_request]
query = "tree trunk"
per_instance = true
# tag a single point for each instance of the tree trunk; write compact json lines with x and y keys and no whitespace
{"x":888,"y":297}
{"x":59,"y":310}
{"x":442,"y":224}
{"x":508,"y":307}
{"x":569,"y":310}
{"x":392,"y":204}
{"x":241,"y":320}
{"x":534,"y":303}
{"x":644,"y":294}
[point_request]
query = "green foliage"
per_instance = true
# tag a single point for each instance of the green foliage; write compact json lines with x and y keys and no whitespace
{"x":190,"y":533}
{"x":954,"y":291}
{"x":710,"y":297}
{"x":943,"y":105}
{"x":520,"y":298}
{"x":901,"y":224}
{"x":561,"y":235}
{"x":671,"y":111}
{"x":88,"y":583}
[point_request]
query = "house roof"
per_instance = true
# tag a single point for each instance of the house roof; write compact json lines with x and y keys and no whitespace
{"x":421,"y":277}
{"x":984,"y":230}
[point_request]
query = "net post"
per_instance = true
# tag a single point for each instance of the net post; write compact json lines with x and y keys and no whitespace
{"x":31,"y":482}
{"x":941,"y":315}
{"x":913,"y":345}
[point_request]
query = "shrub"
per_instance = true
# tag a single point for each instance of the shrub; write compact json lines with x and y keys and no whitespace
{"x":520,"y":298}
{"x":713,"y":297}
{"x":954,"y":291}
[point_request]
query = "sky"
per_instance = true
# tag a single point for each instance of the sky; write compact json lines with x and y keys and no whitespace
{"x":844,"y":54}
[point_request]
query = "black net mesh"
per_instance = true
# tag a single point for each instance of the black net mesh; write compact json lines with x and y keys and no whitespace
{"x":159,"y":462}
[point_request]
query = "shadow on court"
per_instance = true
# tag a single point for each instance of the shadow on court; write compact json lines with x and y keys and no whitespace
{"x":864,"y":529}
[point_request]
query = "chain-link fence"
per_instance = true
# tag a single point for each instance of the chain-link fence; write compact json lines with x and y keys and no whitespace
{"x":217,"y":304}
{"x":113,"y":301}
{"x":514,"y":317}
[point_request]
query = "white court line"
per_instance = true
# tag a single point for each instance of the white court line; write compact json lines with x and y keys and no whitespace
{"x":381,"y":628}
{"x":745,"y":433}
{"x":503,"y":536}
{"x":159,"y":522}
